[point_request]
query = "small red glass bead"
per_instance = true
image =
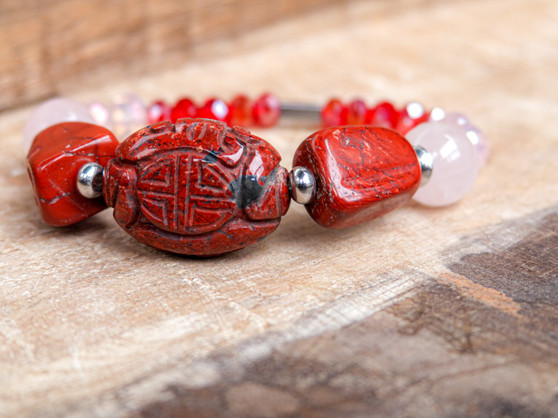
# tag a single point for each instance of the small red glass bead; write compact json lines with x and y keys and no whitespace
{"x":158,"y":112}
{"x":356,"y":112}
{"x":240,"y":111}
{"x":215,"y":109}
{"x":384,"y":115}
{"x":334,"y":113}
{"x":266,"y":111}
{"x":412,"y":115}
{"x":184,"y":108}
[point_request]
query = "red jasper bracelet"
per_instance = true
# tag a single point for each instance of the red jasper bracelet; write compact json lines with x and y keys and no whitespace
{"x":193,"y":182}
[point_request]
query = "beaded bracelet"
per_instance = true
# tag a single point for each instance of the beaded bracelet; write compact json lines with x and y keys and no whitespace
{"x":195,"y":182}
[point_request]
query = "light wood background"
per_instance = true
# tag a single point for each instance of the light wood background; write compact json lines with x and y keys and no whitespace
{"x":425,"y":312}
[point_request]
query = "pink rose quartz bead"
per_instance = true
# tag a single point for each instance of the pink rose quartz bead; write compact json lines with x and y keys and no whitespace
{"x":52,"y":112}
{"x":100,"y":113}
{"x":127,"y":114}
{"x":475,"y":135}
{"x":455,"y":164}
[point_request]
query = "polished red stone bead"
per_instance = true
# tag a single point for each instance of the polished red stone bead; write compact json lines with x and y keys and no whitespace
{"x":356,"y":112}
{"x":53,"y":163}
{"x":184,"y":108}
{"x":408,"y":121}
{"x":158,"y":112}
{"x":384,"y":115}
{"x":215,"y":109}
{"x":197,"y":187}
{"x":266,"y":111}
{"x":334,"y":113}
{"x":361,"y":172}
{"x":240,"y":111}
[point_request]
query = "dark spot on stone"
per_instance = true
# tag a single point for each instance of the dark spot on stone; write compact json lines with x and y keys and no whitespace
{"x":247,"y":189}
{"x":211,"y":157}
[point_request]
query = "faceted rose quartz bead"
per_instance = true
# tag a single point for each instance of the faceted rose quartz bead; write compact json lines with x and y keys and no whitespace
{"x":478,"y":139}
{"x":184,"y":108}
{"x":475,"y":135}
{"x":240,"y":111}
{"x":215,"y":109}
{"x":127,"y":115}
{"x":52,"y":112}
{"x":334,"y":113}
{"x":100,"y":113}
{"x":159,"y":111}
{"x":266,"y":111}
{"x":455,"y":164}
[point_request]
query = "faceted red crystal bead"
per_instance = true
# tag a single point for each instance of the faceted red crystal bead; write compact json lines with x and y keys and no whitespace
{"x":408,"y":121}
{"x":356,"y":112}
{"x":384,"y":115}
{"x":158,"y":112}
{"x":266,"y":111}
{"x":53,"y":162}
{"x":240,"y":111}
{"x":215,"y":109}
{"x":361,"y":172}
{"x":184,"y":108}
{"x":334,"y":113}
{"x":197,"y":187}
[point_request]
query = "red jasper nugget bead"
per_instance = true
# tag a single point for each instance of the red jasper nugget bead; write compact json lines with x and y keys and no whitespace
{"x":197,"y":187}
{"x":361,"y":173}
{"x":53,"y":162}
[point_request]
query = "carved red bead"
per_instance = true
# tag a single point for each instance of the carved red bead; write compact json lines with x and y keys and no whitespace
{"x":361,"y":172}
{"x":197,"y":187}
{"x":55,"y":157}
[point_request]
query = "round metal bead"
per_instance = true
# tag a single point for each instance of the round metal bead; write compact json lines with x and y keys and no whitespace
{"x":90,"y":180}
{"x":426,"y":162}
{"x":302,"y":185}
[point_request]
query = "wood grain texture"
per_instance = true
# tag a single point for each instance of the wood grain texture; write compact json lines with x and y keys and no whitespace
{"x":424,"y":312}
{"x":44,"y":52}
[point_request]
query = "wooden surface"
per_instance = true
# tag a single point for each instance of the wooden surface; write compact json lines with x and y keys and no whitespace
{"x":44,"y":52}
{"x":425,"y":312}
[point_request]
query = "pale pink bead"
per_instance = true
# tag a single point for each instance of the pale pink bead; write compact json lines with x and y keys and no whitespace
{"x":478,"y":139}
{"x":455,"y":164}
{"x":127,"y":115}
{"x":457,"y":118}
{"x":52,"y":112}
{"x":100,"y":113}
{"x":475,"y":135}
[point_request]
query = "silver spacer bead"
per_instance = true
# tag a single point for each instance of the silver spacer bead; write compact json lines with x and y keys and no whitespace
{"x":426,"y":162}
{"x":90,"y":180}
{"x":302,"y":185}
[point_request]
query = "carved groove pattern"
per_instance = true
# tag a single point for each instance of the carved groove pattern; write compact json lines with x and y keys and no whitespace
{"x":181,"y":193}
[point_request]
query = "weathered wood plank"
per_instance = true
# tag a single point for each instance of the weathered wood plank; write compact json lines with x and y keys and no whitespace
{"x":43,"y":51}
